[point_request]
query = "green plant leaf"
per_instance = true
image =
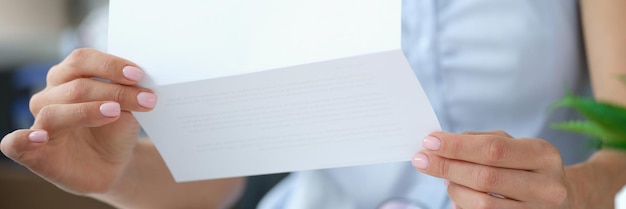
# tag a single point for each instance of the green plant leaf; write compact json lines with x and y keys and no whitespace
{"x":608,"y":117}
{"x":595,"y":143}
{"x":606,"y":123}
{"x":581,"y":127}
{"x":617,"y":143}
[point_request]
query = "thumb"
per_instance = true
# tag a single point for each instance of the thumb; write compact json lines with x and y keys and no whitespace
{"x":21,"y":145}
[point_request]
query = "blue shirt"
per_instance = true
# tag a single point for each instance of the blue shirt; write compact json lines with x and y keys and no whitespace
{"x":486,"y":65}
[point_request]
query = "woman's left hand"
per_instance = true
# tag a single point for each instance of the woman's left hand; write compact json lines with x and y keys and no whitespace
{"x":494,"y":170}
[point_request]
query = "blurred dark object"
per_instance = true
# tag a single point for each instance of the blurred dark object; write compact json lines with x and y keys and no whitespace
{"x":8,"y":94}
{"x":78,"y":9}
{"x":27,"y":80}
{"x":21,"y":189}
{"x":16,"y":87}
{"x":256,"y":188}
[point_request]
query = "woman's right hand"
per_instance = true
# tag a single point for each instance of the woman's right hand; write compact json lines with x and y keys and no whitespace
{"x":84,"y":134}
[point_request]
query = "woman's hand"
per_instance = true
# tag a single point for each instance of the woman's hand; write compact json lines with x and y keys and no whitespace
{"x":493,"y":170}
{"x":84,"y":134}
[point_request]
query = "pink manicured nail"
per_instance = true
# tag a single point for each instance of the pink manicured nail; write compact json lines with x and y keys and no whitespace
{"x":132,"y":73}
{"x":431,"y":143}
{"x":446,"y":182}
{"x":420,"y":161}
{"x":38,"y":136}
{"x":147,"y":100}
{"x":110,"y":109}
{"x":453,"y":206}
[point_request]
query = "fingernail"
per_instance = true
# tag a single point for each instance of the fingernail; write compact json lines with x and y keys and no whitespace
{"x":420,"y":161}
{"x":38,"y":136}
{"x":446,"y":182}
{"x":431,"y":143}
{"x":453,"y":206}
{"x":110,"y":109}
{"x":132,"y":73}
{"x":147,"y":100}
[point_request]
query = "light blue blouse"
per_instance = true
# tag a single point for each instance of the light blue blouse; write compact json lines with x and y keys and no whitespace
{"x":486,"y":65}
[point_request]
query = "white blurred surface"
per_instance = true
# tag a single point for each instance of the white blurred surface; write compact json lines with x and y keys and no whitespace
{"x":620,"y":200}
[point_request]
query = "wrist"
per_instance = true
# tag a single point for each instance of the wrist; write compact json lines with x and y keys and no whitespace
{"x":123,"y":191}
{"x":612,"y":165}
{"x":596,"y":182}
{"x":580,"y":180}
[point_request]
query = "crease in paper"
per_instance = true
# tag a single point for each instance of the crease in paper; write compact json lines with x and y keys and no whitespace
{"x":255,"y":87}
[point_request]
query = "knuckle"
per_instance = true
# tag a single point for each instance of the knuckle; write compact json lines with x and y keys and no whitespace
{"x":549,"y":153}
{"x":77,"y":56}
{"x":549,"y":149}
{"x":107,"y":63}
{"x":54,"y":70}
{"x":444,"y":168}
{"x":75,"y":90}
{"x":556,"y":194}
{"x":554,"y":157}
{"x":118,"y":93}
{"x":496,"y":151}
{"x":35,"y":103}
{"x":81,"y":113}
{"x":453,"y":149}
{"x":44,"y":117}
{"x":486,"y":178}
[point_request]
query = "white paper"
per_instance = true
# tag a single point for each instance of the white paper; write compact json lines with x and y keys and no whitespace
{"x":191,"y":40}
{"x":250,"y":87}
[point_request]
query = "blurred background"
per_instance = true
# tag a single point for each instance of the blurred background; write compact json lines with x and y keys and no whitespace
{"x":35,"y":35}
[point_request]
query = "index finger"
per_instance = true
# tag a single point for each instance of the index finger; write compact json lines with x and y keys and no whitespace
{"x":90,"y":63}
{"x":496,"y":150}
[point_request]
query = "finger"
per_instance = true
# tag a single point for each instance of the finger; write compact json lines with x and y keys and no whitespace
{"x":57,"y":117}
{"x":465,"y":197}
{"x":90,"y":63}
{"x":131,"y":98}
{"x":515,"y":184}
{"x":494,"y":150}
{"x":496,"y":132}
{"x":19,"y":145}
